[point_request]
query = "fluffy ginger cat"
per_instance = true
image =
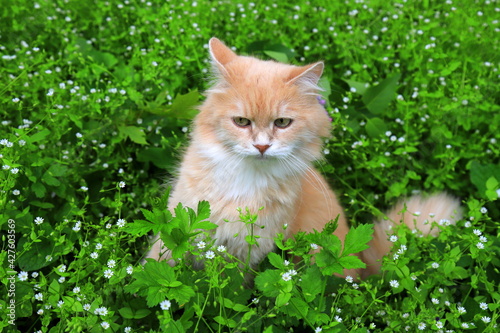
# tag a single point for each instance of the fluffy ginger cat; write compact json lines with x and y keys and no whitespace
{"x":253,"y":144}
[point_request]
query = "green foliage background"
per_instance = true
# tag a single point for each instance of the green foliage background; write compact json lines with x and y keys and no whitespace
{"x":94,"y":93}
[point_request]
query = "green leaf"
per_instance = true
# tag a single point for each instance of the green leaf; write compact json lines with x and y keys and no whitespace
{"x":134,"y":133}
{"x":351,"y":262}
{"x":481,"y":174}
{"x":183,"y":106}
{"x":156,"y":156}
{"x":267,"y":281}
{"x":359,"y":86}
{"x":311,"y":283}
{"x":39,"y":136}
{"x":377,"y":98}
{"x":357,"y":238}
{"x":328,"y":263}
{"x":279,"y":56}
{"x":276,"y":260}
{"x":282,"y":299}
{"x":375,"y":127}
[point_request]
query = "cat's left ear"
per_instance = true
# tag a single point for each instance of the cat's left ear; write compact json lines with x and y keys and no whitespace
{"x":306,"y":75}
{"x":220,"y":53}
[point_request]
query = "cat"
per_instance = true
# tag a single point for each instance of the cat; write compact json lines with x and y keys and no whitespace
{"x":253,"y":145}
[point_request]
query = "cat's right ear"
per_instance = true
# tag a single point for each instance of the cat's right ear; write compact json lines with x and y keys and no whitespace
{"x":221,"y":54}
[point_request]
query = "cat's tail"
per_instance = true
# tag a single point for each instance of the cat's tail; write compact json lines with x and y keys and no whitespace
{"x":417,"y":212}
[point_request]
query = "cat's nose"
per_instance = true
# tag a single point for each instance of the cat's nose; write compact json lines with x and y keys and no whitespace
{"x":262,"y":148}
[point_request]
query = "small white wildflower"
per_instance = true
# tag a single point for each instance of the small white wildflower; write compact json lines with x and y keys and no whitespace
{"x":349,"y":279}
{"x":394,"y":283}
{"x":98,"y":246}
{"x":77,"y":226}
{"x":318,"y":329}
{"x":465,"y":325}
{"x":14,"y":171}
{"x":483,"y":306}
{"x":480,"y":245}
{"x":435,"y":265}
{"x":165,"y":305}
{"x":485,"y":319}
{"x":461,"y":310}
{"x":121,"y":184}
{"x":314,"y":246}
{"x":127,"y":329}
{"x":422,"y":326}
{"x":393,"y":238}
{"x":62,"y":279}
{"x":39,"y":297}
{"x":22,"y":276}
{"x":108,"y":273}
{"x":477,"y":232}
{"x":286,"y":263}
{"x":435,"y":301}
{"x":286,"y":276}
{"x":468,"y":224}
{"x":102,"y":311}
{"x":86,"y":307}
{"x":210,"y":255}
{"x":40,"y":312}
{"x":483,"y":239}
{"x":439,"y":325}
{"x":105,"y":325}
{"x":130,"y":269}
{"x":60,"y":304}
{"x":201,"y":245}
{"x":76,"y":290}
{"x":62,"y":269}
{"x":84,"y":188}
{"x":121,"y":223}
{"x":221,"y":248}
{"x":94,"y":255}
{"x":111,"y":263}
{"x":484,"y":210}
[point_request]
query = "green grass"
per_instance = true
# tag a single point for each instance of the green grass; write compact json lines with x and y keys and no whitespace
{"x":96,"y":101}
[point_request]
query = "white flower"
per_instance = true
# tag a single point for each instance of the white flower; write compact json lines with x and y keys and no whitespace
{"x":165,"y":305}
{"x":393,"y":238}
{"x":480,"y":245}
{"x":121,"y":184}
{"x":286,"y":263}
{"x":422,"y":326}
{"x":62,"y":279}
{"x":394,"y":283}
{"x":98,"y":246}
{"x":477,"y":232}
{"x":349,"y":279}
{"x":102,"y":311}
{"x":435,"y":301}
{"x":121,"y":223}
{"x":483,"y":306}
{"x":39,"y":297}
{"x":77,"y":226}
{"x":484,"y":210}
{"x":201,"y":245}
{"x":314,"y":246}
{"x":286,"y":276}
{"x":86,"y":307}
{"x":435,"y":265}
{"x":465,"y":325}
{"x":14,"y":171}
{"x":62,"y":269}
{"x":38,"y":220}
{"x":105,"y":325}
{"x":130,"y":269}
{"x":76,"y":290}
{"x":111,"y":263}
{"x":461,"y":310}
{"x":127,"y":329}
{"x":60,"y":304}
{"x":485,"y":319}
{"x":210,"y":255}
{"x":23,"y":276}
{"x":108,"y":273}
{"x":468,"y":224}
{"x":40,"y":312}
{"x":439,"y":324}
{"x":318,"y":329}
{"x":94,"y":255}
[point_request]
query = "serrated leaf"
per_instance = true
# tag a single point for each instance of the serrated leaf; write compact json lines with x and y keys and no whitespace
{"x":134,"y":133}
{"x":276,"y":260}
{"x":351,"y":262}
{"x":266,"y":282}
{"x":310,"y":283}
{"x":377,"y":98}
{"x":357,"y":239}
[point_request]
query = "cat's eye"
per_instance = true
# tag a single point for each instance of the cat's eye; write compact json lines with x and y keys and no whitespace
{"x":241,"y":122}
{"x":282,"y":122}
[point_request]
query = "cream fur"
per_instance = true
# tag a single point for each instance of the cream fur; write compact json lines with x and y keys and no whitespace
{"x":223,"y":165}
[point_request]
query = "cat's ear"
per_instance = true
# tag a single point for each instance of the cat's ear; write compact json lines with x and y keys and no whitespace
{"x":221,"y":54}
{"x":306,"y":76}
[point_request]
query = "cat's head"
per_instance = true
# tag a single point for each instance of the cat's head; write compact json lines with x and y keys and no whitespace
{"x":263,"y":110}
